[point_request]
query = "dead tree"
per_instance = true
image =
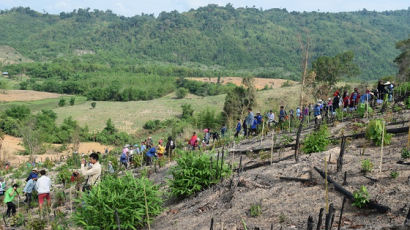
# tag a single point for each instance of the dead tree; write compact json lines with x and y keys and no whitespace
{"x":342,"y":152}
{"x":297,"y":138}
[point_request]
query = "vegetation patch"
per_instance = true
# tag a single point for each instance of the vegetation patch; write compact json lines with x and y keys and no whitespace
{"x":316,"y":141}
{"x":375,"y":130}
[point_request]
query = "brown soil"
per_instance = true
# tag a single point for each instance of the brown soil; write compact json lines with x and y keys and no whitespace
{"x":259,"y":82}
{"x":13,"y":145}
{"x":287,"y":205}
{"x":25,"y":95}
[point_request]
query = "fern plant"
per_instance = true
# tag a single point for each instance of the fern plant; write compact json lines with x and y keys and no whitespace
{"x":195,"y":172}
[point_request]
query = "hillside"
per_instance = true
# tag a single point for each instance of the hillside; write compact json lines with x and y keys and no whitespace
{"x":242,"y":38}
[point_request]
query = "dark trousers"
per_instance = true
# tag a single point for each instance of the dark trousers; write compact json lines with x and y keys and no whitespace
{"x":237,"y":133}
{"x":11,"y":209}
{"x":29,"y":198}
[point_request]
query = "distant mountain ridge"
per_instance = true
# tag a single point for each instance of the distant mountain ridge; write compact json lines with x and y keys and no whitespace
{"x":242,"y":38}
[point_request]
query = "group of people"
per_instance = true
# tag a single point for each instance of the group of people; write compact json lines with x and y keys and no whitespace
{"x":38,"y":182}
{"x":147,"y":149}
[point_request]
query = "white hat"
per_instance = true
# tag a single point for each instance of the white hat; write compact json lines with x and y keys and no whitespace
{"x":387,"y":83}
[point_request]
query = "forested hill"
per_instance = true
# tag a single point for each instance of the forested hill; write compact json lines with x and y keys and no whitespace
{"x":242,"y":38}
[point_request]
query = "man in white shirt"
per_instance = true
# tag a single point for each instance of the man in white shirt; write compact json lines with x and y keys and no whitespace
{"x":271,"y":118}
{"x":92,"y":174}
{"x":43,"y":186}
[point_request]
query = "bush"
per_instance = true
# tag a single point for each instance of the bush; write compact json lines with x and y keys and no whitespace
{"x":362,"y":110}
{"x":367,"y":166}
{"x":187,"y":111}
{"x":286,"y":84}
{"x":152,"y":124}
{"x":374,"y":132}
{"x":394,"y":174}
{"x":361,"y":197}
{"x":181,"y":93}
{"x":64,"y":176}
{"x":72,"y":101}
{"x":124,"y":195}
{"x":93,"y":104}
{"x":256,"y":210}
{"x":61,"y":103}
{"x":405,"y":153}
{"x":316,"y":141}
{"x":193,"y":173}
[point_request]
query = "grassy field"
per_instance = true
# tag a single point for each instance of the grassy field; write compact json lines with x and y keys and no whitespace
{"x":38,"y":105}
{"x":131,"y":116}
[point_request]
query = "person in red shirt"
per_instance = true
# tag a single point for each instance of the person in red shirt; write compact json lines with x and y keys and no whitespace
{"x":194,"y":141}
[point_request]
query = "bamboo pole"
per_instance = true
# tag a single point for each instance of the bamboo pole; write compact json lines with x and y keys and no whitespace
{"x":408,"y":138}
{"x":263,"y":127}
{"x":146,"y":208}
{"x":271,"y":149}
{"x":326,"y":188}
{"x":381,"y":150}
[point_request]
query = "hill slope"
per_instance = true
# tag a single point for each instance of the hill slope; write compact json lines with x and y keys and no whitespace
{"x":244,"y":38}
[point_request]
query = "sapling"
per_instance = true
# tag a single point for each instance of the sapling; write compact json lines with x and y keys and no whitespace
{"x":361,"y":197}
{"x":367,"y":166}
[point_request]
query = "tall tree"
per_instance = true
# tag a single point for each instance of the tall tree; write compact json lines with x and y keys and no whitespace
{"x":403,"y":60}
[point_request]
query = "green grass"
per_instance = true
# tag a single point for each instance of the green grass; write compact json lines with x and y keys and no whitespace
{"x":131,"y":116}
{"x":38,"y":105}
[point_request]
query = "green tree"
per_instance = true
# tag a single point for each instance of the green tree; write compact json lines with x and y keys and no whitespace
{"x":187,"y":111}
{"x":403,"y":60}
{"x":332,"y":69}
{"x":61,"y":103}
{"x":181,"y":93}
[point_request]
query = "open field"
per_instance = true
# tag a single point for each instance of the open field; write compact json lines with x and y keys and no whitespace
{"x":131,"y":116}
{"x":25,"y":95}
{"x":260,"y":83}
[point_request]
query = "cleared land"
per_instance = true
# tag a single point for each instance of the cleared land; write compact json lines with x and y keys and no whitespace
{"x":8,"y":55}
{"x":260,"y":83}
{"x":13,"y":145}
{"x":25,"y":95}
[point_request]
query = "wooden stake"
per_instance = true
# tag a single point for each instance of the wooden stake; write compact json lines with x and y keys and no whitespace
{"x":341,"y":213}
{"x":319,"y":222}
{"x":381,"y":150}
{"x":263,"y":127}
{"x":408,"y":138}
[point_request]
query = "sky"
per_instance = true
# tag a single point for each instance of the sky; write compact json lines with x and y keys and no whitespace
{"x":134,"y":7}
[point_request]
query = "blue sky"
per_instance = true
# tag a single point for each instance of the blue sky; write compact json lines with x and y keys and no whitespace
{"x":133,"y":7}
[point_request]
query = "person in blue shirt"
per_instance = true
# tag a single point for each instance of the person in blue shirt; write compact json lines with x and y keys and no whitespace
{"x":152,"y":152}
{"x":282,"y":114}
{"x":124,"y":159}
{"x":249,"y":120}
{"x":259,"y":118}
{"x":33,"y":173}
{"x":238,"y":128}
{"x":28,"y":190}
{"x":223,"y":130}
{"x":316,"y":112}
{"x":254,"y":126}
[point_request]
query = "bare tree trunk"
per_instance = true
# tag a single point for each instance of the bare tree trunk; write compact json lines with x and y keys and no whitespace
{"x":305,"y":49}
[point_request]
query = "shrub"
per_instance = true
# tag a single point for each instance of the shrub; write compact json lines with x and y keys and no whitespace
{"x":407,"y":102}
{"x":124,"y":195}
{"x":367,"y":166}
{"x":286,"y":84}
{"x":394,"y":174}
{"x":374,"y":132}
{"x":72,"y":101}
{"x":256,"y":210}
{"x":37,"y":224}
{"x":405,"y":153}
{"x":194,"y":172}
{"x":181,"y":93}
{"x":187,"y":111}
{"x":152,"y":124}
{"x":361,"y":197}
{"x":93,"y":104}
{"x":316,"y":141}
{"x":64,"y":176}
{"x":362,"y":110}
{"x":61,"y":103}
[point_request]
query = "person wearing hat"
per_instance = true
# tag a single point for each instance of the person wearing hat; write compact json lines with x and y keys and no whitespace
{"x":9,"y":198}
{"x":33,"y":173}
{"x":28,"y":190}
{"x":124,"y":158}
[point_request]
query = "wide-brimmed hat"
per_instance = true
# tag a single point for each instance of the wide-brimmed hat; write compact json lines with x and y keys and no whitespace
{"x":387,"y":83}
{"x":35,"y":169}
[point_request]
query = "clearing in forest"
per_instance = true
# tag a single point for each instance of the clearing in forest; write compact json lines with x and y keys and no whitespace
{"x":25,"y":95}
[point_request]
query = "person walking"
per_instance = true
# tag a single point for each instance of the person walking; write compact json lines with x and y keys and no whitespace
{"x":43,"y":187}
{"x":193,"y":141}
{"x":9,"y":198}
{"x":238,"y":128}
{"x":28,"y":190}
{"x":249,"y":120}
{"x":93,"y":173}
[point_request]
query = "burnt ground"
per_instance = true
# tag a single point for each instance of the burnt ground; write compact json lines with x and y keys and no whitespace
{"x":287,"y":204}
